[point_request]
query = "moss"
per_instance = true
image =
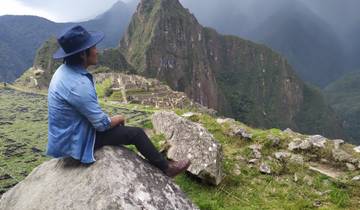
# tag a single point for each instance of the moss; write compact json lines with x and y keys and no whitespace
{"x":104,"y":89}
{"x":195,"y":118}
{"x":116,"y":96}
{"x":276,"y":167}
{"x":159,"y":140}
{"x":148,"y":124}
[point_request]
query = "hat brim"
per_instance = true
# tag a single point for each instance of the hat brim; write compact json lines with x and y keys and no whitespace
{"x":94,"y":39}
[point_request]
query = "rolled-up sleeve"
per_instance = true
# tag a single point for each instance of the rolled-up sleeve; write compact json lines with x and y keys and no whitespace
{"x":83,"y":98}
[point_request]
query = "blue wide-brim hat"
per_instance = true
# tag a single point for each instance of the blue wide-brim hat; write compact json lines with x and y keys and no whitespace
{"x":76,"y":39}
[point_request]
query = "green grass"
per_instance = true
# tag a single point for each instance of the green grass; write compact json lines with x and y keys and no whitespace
{"x":23,"y":132}
{"x":104,"y":89}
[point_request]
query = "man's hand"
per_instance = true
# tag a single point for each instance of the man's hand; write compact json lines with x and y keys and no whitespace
{"x":117,"y":120}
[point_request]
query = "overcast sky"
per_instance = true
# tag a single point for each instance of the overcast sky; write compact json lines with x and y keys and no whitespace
{"x":57,"y":10}
{"x":340,"y":13}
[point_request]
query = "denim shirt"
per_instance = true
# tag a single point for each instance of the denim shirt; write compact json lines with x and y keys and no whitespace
{"x":74,"y":114}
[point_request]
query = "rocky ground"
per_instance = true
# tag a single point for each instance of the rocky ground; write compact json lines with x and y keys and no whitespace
{"x":260,"y":169}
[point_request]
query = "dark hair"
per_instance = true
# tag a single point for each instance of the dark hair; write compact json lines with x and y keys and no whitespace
{"x":76,"y":59}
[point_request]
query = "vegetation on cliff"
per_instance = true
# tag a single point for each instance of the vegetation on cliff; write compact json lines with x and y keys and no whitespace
{"x":344,"y":97}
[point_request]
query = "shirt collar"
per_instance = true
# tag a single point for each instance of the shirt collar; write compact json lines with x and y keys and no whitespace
{"x":79,"y":69}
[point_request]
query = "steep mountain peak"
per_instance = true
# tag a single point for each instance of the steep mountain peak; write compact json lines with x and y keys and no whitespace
{"x":162,"y":8}
{"x":146,"y":5}
{"x":161,"y":42}
{"x":116,"y":8}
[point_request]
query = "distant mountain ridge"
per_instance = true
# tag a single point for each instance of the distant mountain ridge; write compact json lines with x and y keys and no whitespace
{"x":20,"y":36}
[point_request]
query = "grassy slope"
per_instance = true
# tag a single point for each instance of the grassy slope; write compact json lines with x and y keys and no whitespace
{"x":23,"y":122}
{"x":252,"y":190}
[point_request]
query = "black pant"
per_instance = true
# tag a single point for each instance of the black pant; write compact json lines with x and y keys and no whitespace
{"x":125,"y":135}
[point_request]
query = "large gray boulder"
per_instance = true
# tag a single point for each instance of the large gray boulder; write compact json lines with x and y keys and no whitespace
{"x":119,"y":179}
{"x":191,"y":140}
{"x":311,"y":142}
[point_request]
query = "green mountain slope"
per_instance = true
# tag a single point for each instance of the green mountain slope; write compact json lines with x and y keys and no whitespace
{"x":344,"y":97}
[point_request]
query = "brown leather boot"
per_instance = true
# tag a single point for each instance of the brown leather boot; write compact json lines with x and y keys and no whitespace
{"x":177,"y":167}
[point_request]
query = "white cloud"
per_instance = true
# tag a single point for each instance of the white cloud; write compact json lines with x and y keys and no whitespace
{"x":14,"y":7}
{"x":55,"y":10}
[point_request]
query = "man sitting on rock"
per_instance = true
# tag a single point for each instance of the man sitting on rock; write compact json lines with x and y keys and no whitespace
{"x":77,"y":124}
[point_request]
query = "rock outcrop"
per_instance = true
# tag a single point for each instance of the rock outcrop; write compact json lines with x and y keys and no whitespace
{"x":318,"y":147}
{"x":119,"y":179}
{"x":191,"y":140}
{"x":234,"y":129}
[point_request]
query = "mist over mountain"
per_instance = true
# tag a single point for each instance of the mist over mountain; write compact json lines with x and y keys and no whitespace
{"x":354,"y":47}
{"x":317,"y":40}
{"x":307,"y":41}
{"x":344,"y":18}
{"x":20,"y":36}
{"x":341,"y":15}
